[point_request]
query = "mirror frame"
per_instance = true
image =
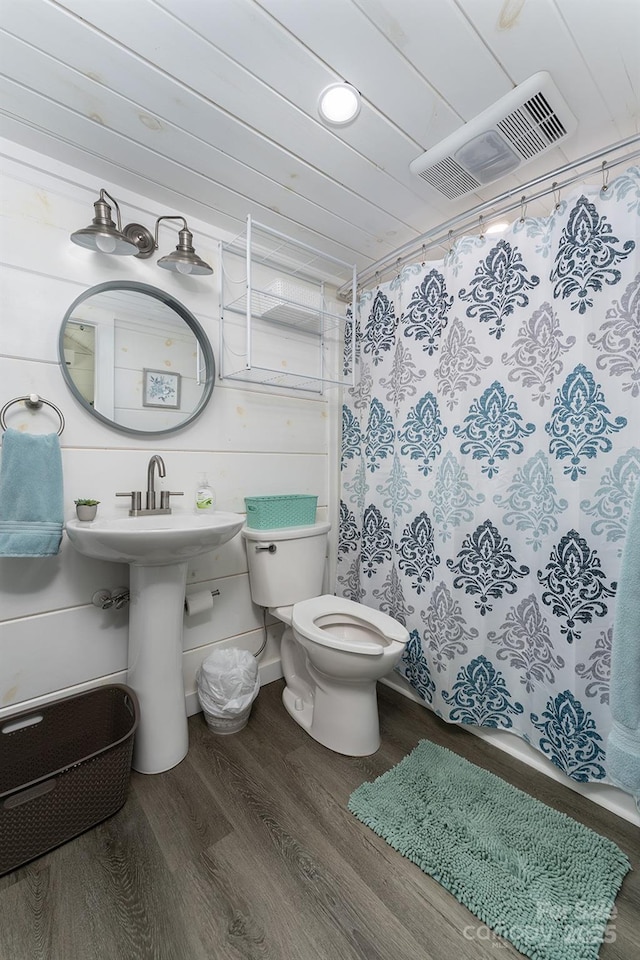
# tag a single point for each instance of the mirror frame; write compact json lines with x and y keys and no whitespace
{"x":183,"y":313}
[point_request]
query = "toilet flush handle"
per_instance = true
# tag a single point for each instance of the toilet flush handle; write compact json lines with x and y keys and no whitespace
{"x":271,"y":548}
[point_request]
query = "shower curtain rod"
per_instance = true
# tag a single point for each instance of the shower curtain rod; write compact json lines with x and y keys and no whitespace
{"x":503,"y":203}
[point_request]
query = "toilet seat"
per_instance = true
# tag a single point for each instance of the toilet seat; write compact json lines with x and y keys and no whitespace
{"x":307,"y":613}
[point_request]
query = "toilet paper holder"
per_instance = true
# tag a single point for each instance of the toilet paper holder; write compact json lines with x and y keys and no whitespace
{"x":214,"y":593}
{"x":200,"y":601}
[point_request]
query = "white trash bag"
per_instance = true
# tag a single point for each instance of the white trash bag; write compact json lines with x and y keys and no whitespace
{"x":228,"y":683}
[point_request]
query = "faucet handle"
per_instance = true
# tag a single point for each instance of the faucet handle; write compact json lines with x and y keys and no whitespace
{"x":164,"y":497}
{"x":136,"y":498}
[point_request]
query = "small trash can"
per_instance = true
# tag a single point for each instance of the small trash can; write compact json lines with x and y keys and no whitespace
{"x":228,"y":683}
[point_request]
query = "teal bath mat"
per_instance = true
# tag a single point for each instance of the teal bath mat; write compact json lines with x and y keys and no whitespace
{"x":535,"y":876}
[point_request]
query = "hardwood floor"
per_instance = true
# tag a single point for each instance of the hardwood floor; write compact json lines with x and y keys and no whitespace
{"x":246,"y":851}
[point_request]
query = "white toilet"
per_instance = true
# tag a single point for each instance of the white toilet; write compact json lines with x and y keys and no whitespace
{"x":333,"y":650}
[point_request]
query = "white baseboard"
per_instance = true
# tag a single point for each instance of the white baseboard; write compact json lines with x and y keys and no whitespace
{"x":604,"y":794}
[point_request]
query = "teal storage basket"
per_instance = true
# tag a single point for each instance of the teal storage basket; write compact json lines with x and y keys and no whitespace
{"x":291,"y":510}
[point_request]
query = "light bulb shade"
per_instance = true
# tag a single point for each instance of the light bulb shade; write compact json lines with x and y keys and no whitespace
{"x":184,"y":259}
{"x":178,"y":262}
{"x":339,"y":104}
{"x":103,"y":234}
{"x":94,"y":235}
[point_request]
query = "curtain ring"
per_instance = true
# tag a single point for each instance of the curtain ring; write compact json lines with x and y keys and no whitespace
{"x":523,"y":209}
{"x":424,"y":254}
{"x":556,"y":195}
{"x":481,"y":226}
{"x":605,"y":177}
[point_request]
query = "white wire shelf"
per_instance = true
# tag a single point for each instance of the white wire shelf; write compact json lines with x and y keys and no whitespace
{"x":281,"y":324}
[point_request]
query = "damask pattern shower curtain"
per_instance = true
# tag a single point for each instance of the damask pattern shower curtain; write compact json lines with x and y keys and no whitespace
{"x":491,"y":446}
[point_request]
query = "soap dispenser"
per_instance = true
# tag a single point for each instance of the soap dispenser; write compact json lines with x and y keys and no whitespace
{"x":205,"y":497}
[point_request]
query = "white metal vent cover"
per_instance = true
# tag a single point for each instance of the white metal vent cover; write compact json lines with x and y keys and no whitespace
{"x":525,"y":123}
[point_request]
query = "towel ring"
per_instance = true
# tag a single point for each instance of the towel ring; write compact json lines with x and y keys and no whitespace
{"x":34,"y":402}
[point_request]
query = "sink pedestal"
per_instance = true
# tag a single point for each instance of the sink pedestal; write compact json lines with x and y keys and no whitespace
{"x":155,"y":665}
{"x":157,"y":549}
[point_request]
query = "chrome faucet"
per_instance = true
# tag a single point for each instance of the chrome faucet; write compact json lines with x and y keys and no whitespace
{"x":158,"y":462}
{"x":136,"y":509}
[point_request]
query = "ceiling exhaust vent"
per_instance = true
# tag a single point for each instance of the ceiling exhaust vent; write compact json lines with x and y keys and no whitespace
{"x":522,"y":125}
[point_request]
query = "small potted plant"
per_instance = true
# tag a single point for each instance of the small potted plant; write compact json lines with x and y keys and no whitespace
{"x":86,"y":509}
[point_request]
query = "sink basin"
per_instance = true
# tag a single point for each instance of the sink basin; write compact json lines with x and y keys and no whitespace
{"x":157,"y":549}
{"x":155,"y":540}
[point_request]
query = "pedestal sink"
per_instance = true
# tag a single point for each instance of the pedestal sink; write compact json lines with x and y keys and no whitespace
{"x":157,"y":549}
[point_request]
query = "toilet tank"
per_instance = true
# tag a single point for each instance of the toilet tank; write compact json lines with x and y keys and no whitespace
{"x":286,"y":565}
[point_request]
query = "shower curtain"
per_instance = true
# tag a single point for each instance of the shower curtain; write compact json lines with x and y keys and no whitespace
{"x":491,"y":446}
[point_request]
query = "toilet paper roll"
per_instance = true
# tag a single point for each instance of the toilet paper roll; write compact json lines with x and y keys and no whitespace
{"x":198,"y":602}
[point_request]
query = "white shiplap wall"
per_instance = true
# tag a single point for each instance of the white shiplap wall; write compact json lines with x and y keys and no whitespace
{"x":250,"y":440}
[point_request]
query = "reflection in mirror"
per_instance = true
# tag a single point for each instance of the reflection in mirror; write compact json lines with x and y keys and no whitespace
{"x":136,"y":358}
{"x":79,"y":357}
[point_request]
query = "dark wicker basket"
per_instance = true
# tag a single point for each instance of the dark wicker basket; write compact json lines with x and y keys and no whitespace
{"x":63,"y":769}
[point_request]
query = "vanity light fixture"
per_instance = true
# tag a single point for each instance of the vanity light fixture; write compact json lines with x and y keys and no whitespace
{"x":184,"y":258}
{"x":339,"y":104}
{"x":102,"y":233}
{"x":135,"y":240}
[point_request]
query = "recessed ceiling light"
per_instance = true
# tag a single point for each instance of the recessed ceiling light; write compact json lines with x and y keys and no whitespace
{"x":339,"y":104}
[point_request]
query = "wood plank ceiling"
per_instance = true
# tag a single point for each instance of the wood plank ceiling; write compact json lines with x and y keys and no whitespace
{"x":209,"y":107}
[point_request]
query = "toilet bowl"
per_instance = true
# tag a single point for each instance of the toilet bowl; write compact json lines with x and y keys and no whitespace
{"x":333,"y":650}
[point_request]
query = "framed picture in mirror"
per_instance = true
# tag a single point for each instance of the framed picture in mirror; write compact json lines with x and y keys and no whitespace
{"x":160,"y":389}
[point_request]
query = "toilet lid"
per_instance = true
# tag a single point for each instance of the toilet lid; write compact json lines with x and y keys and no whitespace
{"x":346,"y":625}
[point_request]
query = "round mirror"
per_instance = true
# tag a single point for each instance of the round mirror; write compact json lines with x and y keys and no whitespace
{"x":136,"y":358}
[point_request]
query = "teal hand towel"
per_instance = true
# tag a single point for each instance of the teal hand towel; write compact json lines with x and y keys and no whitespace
{"x":623,"y":744}
{"x":31,"y":498}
